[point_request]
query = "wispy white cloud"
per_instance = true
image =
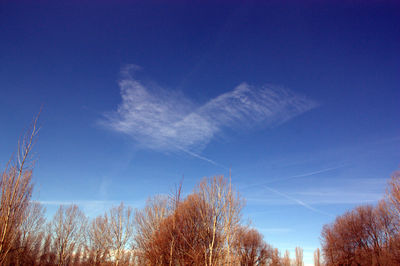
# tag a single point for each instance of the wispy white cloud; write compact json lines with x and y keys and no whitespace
{"x":167,"y":120}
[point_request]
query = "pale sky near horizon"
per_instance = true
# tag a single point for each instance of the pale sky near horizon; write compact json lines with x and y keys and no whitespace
{"x":300,"y":101}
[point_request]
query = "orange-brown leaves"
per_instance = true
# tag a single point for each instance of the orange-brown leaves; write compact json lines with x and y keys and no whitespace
{"x":250,"y":247}
{"x":361,"y":236}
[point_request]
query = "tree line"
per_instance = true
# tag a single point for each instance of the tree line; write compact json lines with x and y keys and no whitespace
{"x":203,"y":228}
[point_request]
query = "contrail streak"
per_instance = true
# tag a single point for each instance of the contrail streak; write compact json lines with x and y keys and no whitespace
{"x":299,"y":202}
{"x":202,"y":157}
{"x":307,"y":174}
{"x":295,"y":176}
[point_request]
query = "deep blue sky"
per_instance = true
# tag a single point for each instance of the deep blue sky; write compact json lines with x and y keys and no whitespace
{"x":312,"y":131}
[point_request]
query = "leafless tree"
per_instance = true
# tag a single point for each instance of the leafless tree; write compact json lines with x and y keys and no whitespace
{"x":222,"y":215}
{"x":31,"y":234}
{"x":148,"y":222}
{"x":121,"y":231}
{"x":286,"y":259}
{"x":275,"y":259}
{"x":46,"y":251}
{"x":393,"y":197}
{"x":391,"y":209}
{"x":211,"y":193}
{"x":16,"y":191}
{"x":68,"y":229}
{"x":317,"y":257}
{"x":299,"y":257}
{"x":100,"y":242}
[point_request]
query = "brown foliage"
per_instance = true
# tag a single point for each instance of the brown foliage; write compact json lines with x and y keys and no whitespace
{"x":361,"y":236}
{"x":198,"y":230}
{"x":367,"y":235}
{"x":182,"y":238}
{"x":250,"y":247}
{"x":148,"y":221}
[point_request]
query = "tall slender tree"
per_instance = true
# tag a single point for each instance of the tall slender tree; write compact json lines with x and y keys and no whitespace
{"x":16,"y":191}
{"x":299,"y":256}
{"x":222,"y":215}
{"x":317,"y":257}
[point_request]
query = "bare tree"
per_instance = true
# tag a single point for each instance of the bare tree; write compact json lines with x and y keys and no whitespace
{"x":275,"y":259}
{"x":232,"y":216}
{"x":121,"y":231}
{"x":286,"y":259}
{"x":222,"y":215}
{"x":299,"y":256}
{"x":46,"y":252}
{"x":211,"y":192}
{"x":16,"y":191}
{"x":100,"y":242}
{"x":317,"y":257}
{"x":31,"y":233}
{"x":390,"y":215}
{"x":148,"y":221}
{"x":393,"y":196}
{"x":68,"y":229}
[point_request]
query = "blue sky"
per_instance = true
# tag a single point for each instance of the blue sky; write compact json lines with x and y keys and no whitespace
{"x":300,"y":100}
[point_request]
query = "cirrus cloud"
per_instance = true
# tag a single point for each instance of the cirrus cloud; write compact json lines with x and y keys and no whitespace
{"x":167,"y":120}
